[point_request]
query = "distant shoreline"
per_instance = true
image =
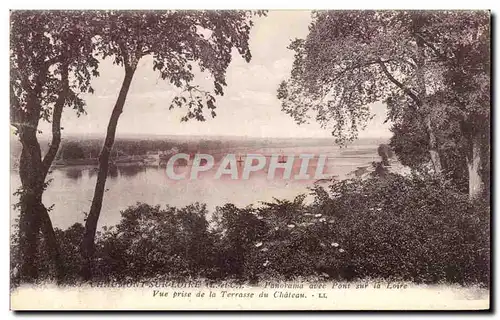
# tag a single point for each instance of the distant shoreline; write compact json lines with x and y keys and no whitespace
{"x":83,"y":137}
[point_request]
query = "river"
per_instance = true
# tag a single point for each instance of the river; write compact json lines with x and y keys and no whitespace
{"x":71,"y":188}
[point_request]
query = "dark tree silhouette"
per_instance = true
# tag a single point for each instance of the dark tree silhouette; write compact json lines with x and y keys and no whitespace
{"x":50,"y":63}
{"x":385,"y":152}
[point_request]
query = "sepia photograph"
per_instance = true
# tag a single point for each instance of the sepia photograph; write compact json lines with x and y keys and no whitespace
{"x":250,"y":159}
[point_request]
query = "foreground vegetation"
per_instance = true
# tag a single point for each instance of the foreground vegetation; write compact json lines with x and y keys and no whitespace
{"x":392,"y":227}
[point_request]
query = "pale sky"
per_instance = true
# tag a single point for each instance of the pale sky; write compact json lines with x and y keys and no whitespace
{"x":249,"y":106}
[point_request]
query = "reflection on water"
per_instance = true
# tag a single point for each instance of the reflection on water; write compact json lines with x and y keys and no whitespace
{"x":74,"y":173}
{"x":72,"y":188}
{"x":77,"y":172}
{"x":93,"y":172}
{"x":130,"y":171}
{"x":112,"y":172}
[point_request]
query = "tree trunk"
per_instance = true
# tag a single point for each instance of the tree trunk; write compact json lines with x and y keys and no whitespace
{"x":474,"y":168}
{"x":46,"y":223}
{"x":88,"y":245}
{"x":33,"y":172}
{"x":32,"y":188}
{"x":34,"y":216}
{"x":433,"y":146}
{"x":425,"y":108}
{"x":52,"y":243}
{"x":29,"y":227}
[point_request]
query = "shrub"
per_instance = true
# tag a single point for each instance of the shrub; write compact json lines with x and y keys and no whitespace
{"x":409,"y":228}
{"x":150,"y":242}
{"x":406,"y":228}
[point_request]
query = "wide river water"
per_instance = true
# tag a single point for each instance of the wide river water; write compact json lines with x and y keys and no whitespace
{"x":72,"y":188}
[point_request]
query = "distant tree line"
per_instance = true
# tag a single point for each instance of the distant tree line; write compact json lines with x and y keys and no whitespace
{"x":90,"y":148}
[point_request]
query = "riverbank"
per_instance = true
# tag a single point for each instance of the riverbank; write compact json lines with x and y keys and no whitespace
{"x":367,"y":170}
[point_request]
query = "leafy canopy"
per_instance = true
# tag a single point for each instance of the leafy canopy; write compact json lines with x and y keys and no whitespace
{"x":178,"y":40}
{"x":42,"y":45}
{"x":351,"y":59}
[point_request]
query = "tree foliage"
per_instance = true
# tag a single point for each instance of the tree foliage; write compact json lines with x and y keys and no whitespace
{"x":461,"y":42}
{"x":353,"y":58}
{"x":431,"y":69}
{"x":178,"y":41}
{"x":42,"y":44}
{"x":349,"y":60}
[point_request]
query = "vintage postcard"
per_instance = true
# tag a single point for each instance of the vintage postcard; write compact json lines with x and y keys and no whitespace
{"x":250,"y":160}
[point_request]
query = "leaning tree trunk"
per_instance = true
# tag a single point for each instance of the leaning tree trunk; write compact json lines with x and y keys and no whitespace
{"x":46,"y":223}
{"x":88,"y":245}
{"x":474,"y":167}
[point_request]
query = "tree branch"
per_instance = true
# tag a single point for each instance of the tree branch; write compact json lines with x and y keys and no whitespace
{"x":429,"y":45}
{"x":356,"y":66}
{"x":413,"y":65}
{"x":56,"y":119}
{"x":51,"y":61}
{"x":399,"y":84}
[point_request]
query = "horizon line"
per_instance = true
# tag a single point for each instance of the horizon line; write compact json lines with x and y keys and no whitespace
{"x":126,"y":135}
